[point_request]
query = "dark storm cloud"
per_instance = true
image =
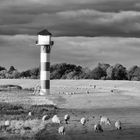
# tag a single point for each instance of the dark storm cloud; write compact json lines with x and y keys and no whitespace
{"x":71,"y":17}
{"x":102,"y":23}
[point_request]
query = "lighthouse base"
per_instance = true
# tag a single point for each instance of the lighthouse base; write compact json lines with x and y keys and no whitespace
{"x":44,"y":92}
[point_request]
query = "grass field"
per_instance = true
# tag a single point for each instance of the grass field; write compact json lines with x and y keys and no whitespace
{"x":80,"y":98}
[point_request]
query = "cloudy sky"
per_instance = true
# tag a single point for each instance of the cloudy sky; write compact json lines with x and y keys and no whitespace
{"x":85,"y":32}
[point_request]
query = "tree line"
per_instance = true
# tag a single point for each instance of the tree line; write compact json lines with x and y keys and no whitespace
{"x":71,"y":71}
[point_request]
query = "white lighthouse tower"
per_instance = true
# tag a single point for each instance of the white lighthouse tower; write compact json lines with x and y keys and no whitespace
{"x":45,"y":43}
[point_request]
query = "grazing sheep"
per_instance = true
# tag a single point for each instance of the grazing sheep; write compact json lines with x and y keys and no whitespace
{"x":111,"y":90}
{"x":98,"y":128}
{"x":83,"y":121}
{"x":72,"y":93}
{"x":87,"y":92}
{"x":61,"y":130}
{"x":67,"y":118}
{"x":45,"y":117}
{"x":118,"y":125}
{"x":105,"y":120}
{"x":55,"y":119}
{"x":67,"y":93}
{"x":7,"y":123}
{"x":30,"y":114}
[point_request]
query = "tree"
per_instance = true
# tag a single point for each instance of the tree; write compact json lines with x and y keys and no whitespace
{"x":60,"y":71}
{"x":103,"y":66}
{"x":34,"y":73}
{"x":11,"y":69}
{"x":97,"y":73}
{"x":26,"y":74}
{"x":117,"y":72}
{"x":15,"y":74}
{"x":2,"y":68}
{"x":3,"y":74}
{"x":85,"y":73}
{"x":134,"y":73}
{"x":109,"y":73}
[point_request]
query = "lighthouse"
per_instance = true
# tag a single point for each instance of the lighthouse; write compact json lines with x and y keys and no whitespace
{"x":45,"y":43}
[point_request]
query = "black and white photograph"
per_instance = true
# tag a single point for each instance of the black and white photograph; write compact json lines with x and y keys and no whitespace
{"x":69,"y":69}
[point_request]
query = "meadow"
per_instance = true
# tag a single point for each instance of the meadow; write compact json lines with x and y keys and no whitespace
{"x":118,"y":100}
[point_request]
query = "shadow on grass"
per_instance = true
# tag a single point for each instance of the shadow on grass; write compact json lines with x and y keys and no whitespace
{"x":127,"y":134}
{"x":10,"y":87}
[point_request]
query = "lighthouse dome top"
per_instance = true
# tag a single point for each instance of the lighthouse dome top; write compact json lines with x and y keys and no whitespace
{"x":44,"y":38}
{"x":44,"y":32}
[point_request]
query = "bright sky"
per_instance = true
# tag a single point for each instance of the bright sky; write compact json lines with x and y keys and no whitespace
{"x":85,"y":32}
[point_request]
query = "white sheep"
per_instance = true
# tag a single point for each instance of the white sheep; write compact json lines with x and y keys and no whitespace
{"x":7,"y":123}
{"x":55,"y":119}
{"x":83,"y":121}
{"x":118,"y":125}
{"x":61,"y":130}
{"x":67,"y":93}
{"x":30,"y":114}
{"x":45,"y":117}
{"x":105,"y":120}
{"x":98,"y":128}
{"x":67,"y":118}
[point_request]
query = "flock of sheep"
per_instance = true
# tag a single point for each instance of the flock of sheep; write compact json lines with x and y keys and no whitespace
{"x":97,"y":127}
{"x":78,"y":88}
{"x":76,"y":91}
{"x":37,"y":90}
{"x":62,"y":130}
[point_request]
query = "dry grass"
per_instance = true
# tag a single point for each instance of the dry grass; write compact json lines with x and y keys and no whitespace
{"x":115,"y":99}
{"x":20,"y":123}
